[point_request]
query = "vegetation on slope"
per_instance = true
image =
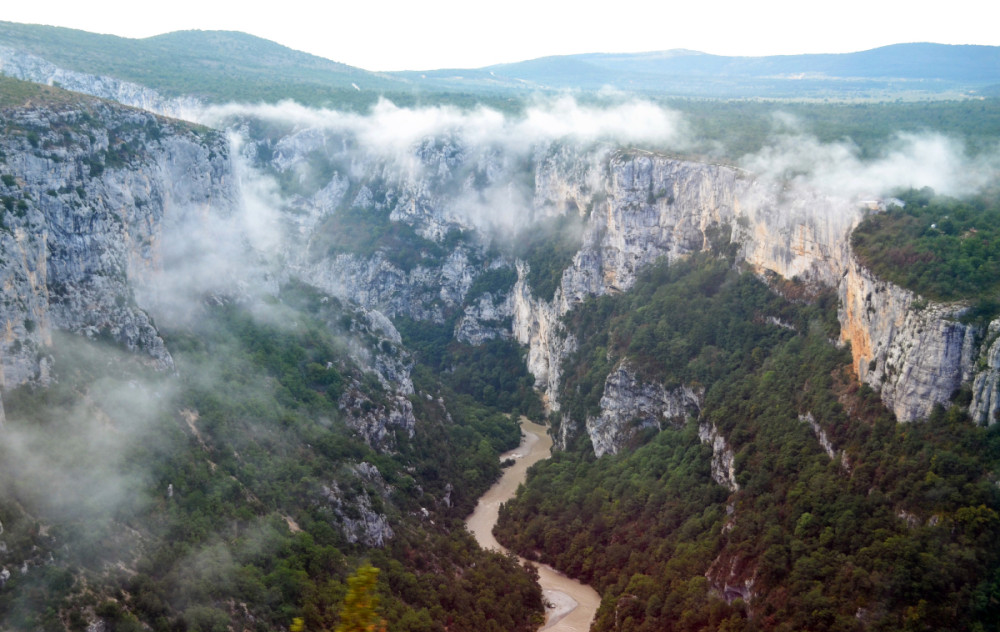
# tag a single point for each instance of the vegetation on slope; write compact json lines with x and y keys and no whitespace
{"x":15,"y":93}
{"x":548,"y":246}
{"x":221,"y":66}
{"x":942,"y":248}
{"x":739,"y":127}
{"x":894,"y":532}
{"x":214,"y":499}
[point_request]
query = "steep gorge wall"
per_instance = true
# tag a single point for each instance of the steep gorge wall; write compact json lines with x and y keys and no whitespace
{"x":639,"y":207}
{"x":915,"y":351}
{"x":649,"y":207}
{"x":87,"y":192}
{"x":652,"y":206}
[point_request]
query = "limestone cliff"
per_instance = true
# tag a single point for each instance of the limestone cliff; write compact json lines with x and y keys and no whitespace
{"x":985,"y":406}
{"x":651,"y":206}
{"x":27,"y":67}
{"x":637,"y":207}
{"x":723,"y":458}
{"x":915,"y":351}
{"x":87,"y":192}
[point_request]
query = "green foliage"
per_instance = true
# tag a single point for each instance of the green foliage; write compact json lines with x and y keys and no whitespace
{"x":492,"y":376}
{"x":689,"y":323}
{"x":15,"y":93}
{"x":732,"y":128}
{"x":364,"y":232}
{"x":495,"y":281}
{"x":358,"y":613}
{"x":209,"y":486}
{"x":548,"y":246}
{"x":942,"y":248}
{"x":894,"y":532}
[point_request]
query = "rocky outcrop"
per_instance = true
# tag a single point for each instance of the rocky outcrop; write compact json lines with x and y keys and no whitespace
{"x":723,"y":459}
{"x":537,"y":325}
{"x":377,"y":413}
{"x":645,"y":207}
{"x":354,"y":511}
{"x":638,"y":207}
{"x":985,"y":406}
{"x":629,"y":406}
{"x":915,"y":351}
{"x":487,"y":318}
{"x":651,"y":207}
{"x":425,"y":292}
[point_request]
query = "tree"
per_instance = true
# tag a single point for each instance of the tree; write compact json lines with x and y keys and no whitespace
{"x":357,"y":614}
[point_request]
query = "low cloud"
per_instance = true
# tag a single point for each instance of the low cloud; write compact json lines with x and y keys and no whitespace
{"x":908,"y":161}
{"x":389,"y":129}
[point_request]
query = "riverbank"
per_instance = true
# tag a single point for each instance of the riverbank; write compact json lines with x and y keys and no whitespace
{"x":572,"y":605}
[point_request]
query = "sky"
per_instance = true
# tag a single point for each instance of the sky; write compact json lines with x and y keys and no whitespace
{"x":421,"y":35}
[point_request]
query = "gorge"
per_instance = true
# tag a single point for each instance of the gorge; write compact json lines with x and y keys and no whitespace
{"x":292,"y":341}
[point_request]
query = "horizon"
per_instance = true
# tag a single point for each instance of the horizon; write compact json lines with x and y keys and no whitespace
{"x":516,"y":61}
{"x":445,"y":34}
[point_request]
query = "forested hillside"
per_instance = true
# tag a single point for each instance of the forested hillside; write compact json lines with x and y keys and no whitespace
{"x":839,"y":519}
{"x":234,"y":494}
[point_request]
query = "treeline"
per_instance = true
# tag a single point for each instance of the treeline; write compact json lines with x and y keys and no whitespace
{"x":893,"y":532}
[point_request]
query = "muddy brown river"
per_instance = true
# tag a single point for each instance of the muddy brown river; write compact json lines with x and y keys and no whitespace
{"x":570,"y":605}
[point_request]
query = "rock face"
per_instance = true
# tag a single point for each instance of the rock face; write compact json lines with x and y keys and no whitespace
{"x":354,"y":513}
{"x":486,"y":319}
{"x":637,"y":207}
{"x":649,"y":207}
{"x":88,"y":192}
{"x":376,"y":419}
{"x":723,"y":459}
{"x":985,"y":406}
{"x":630,"y":406}
{"x":915,"y":351}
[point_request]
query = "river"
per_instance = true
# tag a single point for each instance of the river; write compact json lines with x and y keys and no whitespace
{"x":573,"y":605}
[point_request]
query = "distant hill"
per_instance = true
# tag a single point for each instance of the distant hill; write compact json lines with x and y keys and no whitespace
{"x":901,"y":68}
{"x":234,"y":66}
{"x":214,"y":65}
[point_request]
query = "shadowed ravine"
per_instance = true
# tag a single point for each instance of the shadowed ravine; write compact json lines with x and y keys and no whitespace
{"x":573,"y":604}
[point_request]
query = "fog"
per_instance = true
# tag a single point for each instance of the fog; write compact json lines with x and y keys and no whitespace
{"x":391,"y":130}
{"x":909,"y":160}
{"x":483,"y":138}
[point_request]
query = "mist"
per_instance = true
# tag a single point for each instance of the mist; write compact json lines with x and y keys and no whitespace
{"x":391,"y":130}
{"x":437,"y":167}
{"x":908,"y":160}
{"x":80,"y":455}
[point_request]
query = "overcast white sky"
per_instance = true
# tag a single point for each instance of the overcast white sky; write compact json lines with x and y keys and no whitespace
{"x":418,"y":35}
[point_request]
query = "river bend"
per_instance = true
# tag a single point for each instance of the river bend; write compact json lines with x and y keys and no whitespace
{"x":571,"y":605}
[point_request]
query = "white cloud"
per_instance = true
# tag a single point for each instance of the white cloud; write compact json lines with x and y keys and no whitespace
{"x":909,"y":160}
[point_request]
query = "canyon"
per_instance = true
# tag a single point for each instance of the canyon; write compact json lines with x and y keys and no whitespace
{"x":390,"y":245}
{"x":635,"y":207}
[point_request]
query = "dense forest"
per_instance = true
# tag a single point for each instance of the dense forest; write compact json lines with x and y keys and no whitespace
{"x":942,"y":248}
{"x":892,"y":529}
